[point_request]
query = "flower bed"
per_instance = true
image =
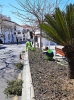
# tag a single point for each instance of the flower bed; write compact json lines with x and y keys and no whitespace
{"x":50,"y":80}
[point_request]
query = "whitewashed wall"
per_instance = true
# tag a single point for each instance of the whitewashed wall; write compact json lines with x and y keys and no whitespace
{"x":45,"y":42}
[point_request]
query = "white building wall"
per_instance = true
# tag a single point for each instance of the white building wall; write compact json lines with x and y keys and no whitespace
{"x":10,"y":31}
{"x":19,"y":36}
{"x":45,"y":42}
{"x":28,"y":35}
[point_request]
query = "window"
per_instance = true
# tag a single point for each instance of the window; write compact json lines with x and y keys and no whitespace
{"x":19,"y":32}
{"x":8,"y":36}
{"x":24,"y":35}
{"x":31,"y":35}
{"x":15,"y":28}
{"x":14,"y":33}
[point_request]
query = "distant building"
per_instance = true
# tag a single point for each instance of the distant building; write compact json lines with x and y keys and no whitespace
{"x":44,"y":41}
{"x":9,"y":30}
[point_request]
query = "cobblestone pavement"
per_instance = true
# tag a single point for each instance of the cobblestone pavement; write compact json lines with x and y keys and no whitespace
{"x":9,"y":55}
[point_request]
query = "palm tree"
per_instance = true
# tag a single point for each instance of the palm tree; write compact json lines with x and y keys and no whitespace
{"x":60,"y":28}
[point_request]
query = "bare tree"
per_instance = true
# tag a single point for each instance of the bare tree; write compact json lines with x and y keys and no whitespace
{"x":34,"y":11}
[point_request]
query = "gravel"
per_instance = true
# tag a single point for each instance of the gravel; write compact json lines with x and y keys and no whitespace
{"x":50,"y":80}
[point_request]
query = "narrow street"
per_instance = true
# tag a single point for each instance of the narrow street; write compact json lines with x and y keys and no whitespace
{"x":9,"y":55}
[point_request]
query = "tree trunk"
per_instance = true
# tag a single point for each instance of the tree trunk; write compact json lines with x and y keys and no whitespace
{"x":69,"y":53}
{"x":40,"y":43}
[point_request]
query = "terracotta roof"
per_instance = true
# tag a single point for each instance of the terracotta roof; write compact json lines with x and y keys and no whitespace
{"x":10,"y":21}
{"x":27,"y":26}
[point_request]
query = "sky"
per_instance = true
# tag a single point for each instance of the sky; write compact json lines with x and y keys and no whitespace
{"x":6,"y":9}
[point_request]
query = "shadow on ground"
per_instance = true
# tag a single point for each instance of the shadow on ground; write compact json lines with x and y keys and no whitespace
{"x":2,"y":47}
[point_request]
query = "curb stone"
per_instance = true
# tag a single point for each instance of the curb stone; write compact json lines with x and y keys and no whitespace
{"x":27,"y":90}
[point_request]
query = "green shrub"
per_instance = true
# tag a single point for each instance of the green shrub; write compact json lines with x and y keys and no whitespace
{"x":19,"y":65}
{"x":23,"y":51}
{"x":14,"y":88}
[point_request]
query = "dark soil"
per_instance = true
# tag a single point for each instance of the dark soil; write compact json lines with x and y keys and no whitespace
{"x":50,"y":80}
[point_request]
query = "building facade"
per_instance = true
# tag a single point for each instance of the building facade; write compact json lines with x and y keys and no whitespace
{"x":10,"y":30}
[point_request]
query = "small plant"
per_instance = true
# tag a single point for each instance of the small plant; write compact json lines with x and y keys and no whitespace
{"x":23,"y":51}
{"x":14,"y":88}
{"x":19,"y":65}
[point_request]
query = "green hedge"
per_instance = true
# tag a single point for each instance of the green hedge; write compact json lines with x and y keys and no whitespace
{"x":14,"y":88}
{"x":19,"y":65}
